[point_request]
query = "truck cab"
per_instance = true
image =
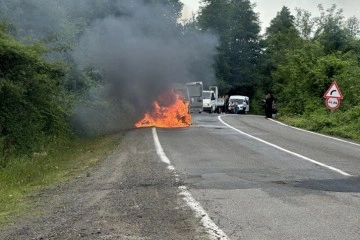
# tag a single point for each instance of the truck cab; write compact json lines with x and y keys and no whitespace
{"x":209,"y":101}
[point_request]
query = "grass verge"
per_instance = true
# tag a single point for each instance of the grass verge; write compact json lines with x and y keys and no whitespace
{"x":26,"y":175}
{"x":337,"y":123}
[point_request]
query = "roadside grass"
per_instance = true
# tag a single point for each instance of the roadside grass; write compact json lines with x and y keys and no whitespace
{"x":337,"y":123}
{"x":28,"y":175}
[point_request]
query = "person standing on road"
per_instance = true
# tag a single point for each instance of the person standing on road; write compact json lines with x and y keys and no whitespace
{"x":226,"y":103}
{"x":269,"y":105}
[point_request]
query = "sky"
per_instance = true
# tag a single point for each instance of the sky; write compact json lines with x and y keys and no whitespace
{"x":268,"y":9}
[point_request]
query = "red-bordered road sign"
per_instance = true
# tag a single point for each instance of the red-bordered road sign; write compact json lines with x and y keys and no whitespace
{"x":332,"y":103}
{"x":333,"y":92}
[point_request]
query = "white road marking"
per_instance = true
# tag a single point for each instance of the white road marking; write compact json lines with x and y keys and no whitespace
{"x":212,"y":229}
{"x":285,"y":150}
{"x":315,"y":133}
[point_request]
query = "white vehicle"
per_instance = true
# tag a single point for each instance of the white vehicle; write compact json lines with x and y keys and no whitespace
{"x":195,"y":94}
{"x":211,"y":102}
{"x":239,"y":104}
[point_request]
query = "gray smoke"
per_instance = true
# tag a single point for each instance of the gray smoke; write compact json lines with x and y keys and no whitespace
{"x":139,"y":55}
{"x":135,"y":46}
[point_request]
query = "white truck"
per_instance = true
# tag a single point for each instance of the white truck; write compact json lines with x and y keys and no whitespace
{"x":211,"y":101}
{"x":238,"y":104}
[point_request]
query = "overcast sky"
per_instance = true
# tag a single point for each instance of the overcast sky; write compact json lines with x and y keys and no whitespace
{"x":267,"y":9}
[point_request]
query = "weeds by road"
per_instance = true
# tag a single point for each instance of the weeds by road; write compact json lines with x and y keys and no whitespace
{"x":129,"y":195}
{"x":27,"y":175}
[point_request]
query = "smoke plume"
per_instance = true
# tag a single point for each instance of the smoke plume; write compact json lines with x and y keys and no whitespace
{"x":135,"y":46}
{"x":139,"y":54}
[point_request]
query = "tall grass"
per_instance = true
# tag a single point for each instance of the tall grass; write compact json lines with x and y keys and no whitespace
{"x":339,"y":123}
{"x":26,"y":175}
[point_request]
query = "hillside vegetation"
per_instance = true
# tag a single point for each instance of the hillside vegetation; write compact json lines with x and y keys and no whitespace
{"x":297,"y":59}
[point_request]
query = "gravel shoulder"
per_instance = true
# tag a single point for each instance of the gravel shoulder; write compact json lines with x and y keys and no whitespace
{"x":130,"y":195}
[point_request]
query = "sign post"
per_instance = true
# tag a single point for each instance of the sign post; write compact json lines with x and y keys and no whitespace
{"x":333,"y":96}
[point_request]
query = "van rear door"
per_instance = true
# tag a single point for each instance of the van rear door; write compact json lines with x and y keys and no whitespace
{"x":195,"y":94}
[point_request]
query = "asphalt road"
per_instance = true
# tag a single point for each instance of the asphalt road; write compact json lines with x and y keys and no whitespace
{"x":225,"y":177}
{"x":258,"y":179}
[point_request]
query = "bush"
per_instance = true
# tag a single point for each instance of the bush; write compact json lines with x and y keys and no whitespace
{"x":32,"y":106}
{"x":338,"y":123}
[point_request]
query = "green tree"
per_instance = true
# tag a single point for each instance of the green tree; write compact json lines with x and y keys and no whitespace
{"x":302,"y":63}
{"x":214,"y":17}
{"x":33,"y":106}
{"x":300,"y":78}
{"x":238,"y":29}
{"x":281,"y":39}
{"x":304,"y":23}
{"x":330,"y":29}
{"x":283,"y":22}
{"x":353,"y":26}
{"x":244,"y":49}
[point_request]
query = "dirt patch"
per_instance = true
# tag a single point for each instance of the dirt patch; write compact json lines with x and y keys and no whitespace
{"x":130,"y":195}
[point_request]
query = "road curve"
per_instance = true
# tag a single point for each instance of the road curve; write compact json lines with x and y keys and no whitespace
{"x":256,"y":180}
{"x":225,"y":177}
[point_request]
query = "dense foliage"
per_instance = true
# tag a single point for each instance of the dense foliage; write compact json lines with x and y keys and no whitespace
{"x":300,"y":56}
{"x":41,"y":84}
{"x":238,"y":59}
{"x":302,"y":68}
{"x":32,"y":102}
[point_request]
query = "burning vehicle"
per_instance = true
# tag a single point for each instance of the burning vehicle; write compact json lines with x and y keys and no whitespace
{"x":175,"y":113}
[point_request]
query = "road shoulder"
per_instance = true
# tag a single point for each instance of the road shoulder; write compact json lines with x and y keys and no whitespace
{"x":130,"y":195}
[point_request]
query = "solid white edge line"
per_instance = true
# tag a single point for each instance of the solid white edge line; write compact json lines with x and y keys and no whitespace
{"x":285,"y":150}
{"x":315,"y":133}
{"x":212,"y":229}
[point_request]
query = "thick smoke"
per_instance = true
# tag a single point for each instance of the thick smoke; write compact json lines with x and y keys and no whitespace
{"x":139,"y":55}
{"x":136,"y":46}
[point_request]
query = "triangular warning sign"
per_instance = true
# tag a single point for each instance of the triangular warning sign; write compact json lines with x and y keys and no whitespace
{"x":333,"y":92}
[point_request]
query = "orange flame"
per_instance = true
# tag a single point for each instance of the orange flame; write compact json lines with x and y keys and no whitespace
{"x":172,"y":116}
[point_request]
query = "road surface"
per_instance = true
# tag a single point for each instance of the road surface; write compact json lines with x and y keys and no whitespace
{"x":225,"y":177}
{"x":258,"y":179}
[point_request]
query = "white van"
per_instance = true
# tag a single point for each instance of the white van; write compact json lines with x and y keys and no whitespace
{"x":239,"y":104}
